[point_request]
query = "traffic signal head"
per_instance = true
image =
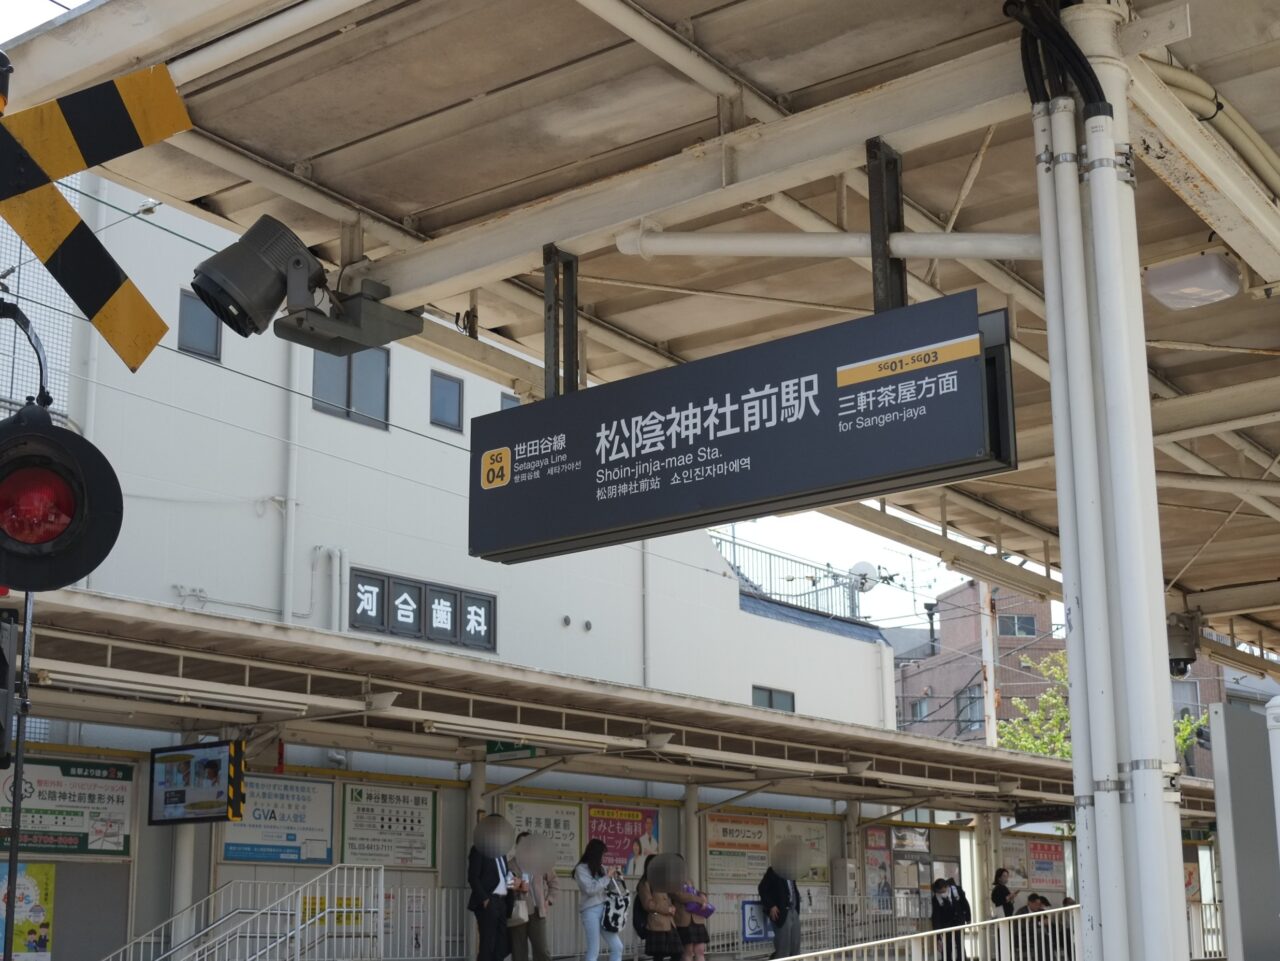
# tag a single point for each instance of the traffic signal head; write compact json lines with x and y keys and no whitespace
{"x":60,"y":503}
{"x":245,"y":284}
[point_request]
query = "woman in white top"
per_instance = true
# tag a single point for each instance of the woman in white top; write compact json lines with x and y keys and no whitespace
{"x":593,"y":880}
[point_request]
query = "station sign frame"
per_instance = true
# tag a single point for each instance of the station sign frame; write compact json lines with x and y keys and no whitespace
{"x":907,"y":398}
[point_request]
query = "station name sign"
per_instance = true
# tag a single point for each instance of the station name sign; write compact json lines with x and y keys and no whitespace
{"x":902,"y":399}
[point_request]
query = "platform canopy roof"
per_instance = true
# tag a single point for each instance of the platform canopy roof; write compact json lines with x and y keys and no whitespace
{"x":447,"y":141}
{"x":111,"y":660}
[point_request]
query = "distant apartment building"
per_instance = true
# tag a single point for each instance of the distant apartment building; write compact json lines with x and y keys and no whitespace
{"x":939,"y":669}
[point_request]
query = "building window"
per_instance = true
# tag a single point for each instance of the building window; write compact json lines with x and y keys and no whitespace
{"x":1017,"y":625}
{"x":920,"y":709}
{"x":969,"y":709}
{"x":353,"y":387}
{"x":509,"y":401}
{"x":773,"y":699}
{"x":446,"y":401}
{"x":199,"y":331}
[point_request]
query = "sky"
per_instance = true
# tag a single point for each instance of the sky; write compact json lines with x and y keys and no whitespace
{"x":812,"y":537}
{"x":19,"y":16}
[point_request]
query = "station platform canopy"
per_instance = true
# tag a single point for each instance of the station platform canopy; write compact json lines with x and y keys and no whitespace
{"x":446,"y":143}
{"x":113,"y":661}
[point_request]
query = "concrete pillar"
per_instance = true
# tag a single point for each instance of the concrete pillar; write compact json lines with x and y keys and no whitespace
{"x":182,"y":882}
{"x":691,"y":836}
{"x":1273,"y":735}
{"x":986,"y":850}
{"x":475,"y":796}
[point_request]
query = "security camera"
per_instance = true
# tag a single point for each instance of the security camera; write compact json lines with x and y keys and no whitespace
{"x":1184,"y":633}
{"x":245,"y":284}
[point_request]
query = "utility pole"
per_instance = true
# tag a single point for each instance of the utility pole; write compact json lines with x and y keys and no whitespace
{"x":986,"y":624}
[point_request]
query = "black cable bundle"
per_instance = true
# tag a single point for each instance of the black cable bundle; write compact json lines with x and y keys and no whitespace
{"x":1041,"y":23}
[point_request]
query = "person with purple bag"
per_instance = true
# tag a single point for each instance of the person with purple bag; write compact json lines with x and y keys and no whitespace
{"x":692,"y":911}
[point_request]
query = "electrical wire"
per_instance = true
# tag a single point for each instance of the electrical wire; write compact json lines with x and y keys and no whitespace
{"x":390,"y":425}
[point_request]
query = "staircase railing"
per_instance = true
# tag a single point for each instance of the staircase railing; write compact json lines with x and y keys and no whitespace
{"x":337,"y":916}
{"x":231,"y":902}
{"x":1043,"y":936}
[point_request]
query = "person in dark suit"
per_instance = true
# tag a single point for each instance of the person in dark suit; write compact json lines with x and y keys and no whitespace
{"x":781,"y":900}
{"x":492,"y":889}
{"x":951,"y":911}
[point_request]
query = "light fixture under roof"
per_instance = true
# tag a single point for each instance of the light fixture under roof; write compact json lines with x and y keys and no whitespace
{"x":1191,"y":281}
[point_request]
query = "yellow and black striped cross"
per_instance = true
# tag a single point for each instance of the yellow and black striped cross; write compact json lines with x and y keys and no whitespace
{"x":235,"y":781}
{"x":65,"y":136}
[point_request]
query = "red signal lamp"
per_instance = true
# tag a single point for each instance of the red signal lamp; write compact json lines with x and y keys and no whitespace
{"x":60,"y":503}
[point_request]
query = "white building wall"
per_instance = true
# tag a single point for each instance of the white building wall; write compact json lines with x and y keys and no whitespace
{"x":201,"y":452}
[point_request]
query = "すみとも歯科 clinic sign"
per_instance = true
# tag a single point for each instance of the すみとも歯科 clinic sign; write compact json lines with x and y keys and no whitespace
{"x":903,"y":399}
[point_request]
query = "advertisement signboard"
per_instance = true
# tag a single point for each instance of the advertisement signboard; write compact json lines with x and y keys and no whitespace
{"x":286,"y":821}
{"x":737,"y":847}
{"x":73,"y":807}
{"x":907,"y":398}
{"x":33,"y":928}
{"x":560,"y":822}
{"x":1035,"y":864}
{"x":813,"y":835}
{"x":630,"y":835}
{"x":389,"y":825}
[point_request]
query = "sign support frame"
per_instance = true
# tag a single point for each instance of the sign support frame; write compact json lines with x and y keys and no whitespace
{"x":888,"y":273}
{"x":560,"y":320}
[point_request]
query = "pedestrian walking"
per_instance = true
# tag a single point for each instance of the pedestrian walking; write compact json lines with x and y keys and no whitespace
{"x":593,"y":883}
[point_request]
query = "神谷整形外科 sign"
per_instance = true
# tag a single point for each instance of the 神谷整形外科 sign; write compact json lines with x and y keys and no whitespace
{"x":906,"y":398}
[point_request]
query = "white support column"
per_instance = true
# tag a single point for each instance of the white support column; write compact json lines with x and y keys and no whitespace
{"x":986,"y":628}
{"x":1120,"y":354}
{"x":475,"y":796}
{"x":182,"y":882}
{"x":1273,"y":734}
{"x":690,"y":835}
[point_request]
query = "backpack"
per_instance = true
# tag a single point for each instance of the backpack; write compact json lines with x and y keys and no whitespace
{"x":640,"y":920}
{"x":617,"y":902}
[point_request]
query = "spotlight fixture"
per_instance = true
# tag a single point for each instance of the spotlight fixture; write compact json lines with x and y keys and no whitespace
{"x":245,"y":284}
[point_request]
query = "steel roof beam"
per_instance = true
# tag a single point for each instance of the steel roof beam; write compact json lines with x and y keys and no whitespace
{"x":933,"y":104}
{"x":1204,"y":172}
{"x":1239,"y":599}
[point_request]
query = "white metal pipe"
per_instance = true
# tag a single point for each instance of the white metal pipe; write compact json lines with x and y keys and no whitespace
{"x":289,"y":540}
{"x":1068,"y":546}
{"x":661,"y":243}
{"x":1089,"y":605}
{"x":256,"y":37}
{"x":335,"y":587}
{"x":1138,"y":575}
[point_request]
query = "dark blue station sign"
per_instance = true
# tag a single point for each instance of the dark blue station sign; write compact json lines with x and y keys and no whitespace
{"x":903,"y":399}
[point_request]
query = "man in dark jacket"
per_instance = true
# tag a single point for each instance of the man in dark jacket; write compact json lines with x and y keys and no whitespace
{"x":492,"y":886}
{"x":950,"y":911}
{"x":781,"y":900}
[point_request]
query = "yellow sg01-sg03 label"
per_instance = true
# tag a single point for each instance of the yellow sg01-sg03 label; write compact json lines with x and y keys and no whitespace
{"x":495,"y":468}
{"x":917,"y":358}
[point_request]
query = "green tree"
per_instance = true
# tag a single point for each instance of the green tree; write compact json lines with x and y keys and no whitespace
{"x":1045,"y":726}
{"x":1185,"y":730}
